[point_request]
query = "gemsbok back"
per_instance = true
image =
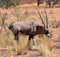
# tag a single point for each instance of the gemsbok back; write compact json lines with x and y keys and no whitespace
{"x":30,"y":28}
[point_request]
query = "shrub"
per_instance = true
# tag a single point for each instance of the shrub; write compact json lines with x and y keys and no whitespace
{"x":8,"y":3}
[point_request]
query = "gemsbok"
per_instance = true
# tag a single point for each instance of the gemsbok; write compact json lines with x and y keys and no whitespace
{"x":30,"y":28}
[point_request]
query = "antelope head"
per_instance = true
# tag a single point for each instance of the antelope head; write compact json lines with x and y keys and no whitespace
{"x":46,"y":27}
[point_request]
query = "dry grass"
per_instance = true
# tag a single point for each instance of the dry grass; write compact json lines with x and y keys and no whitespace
{"x":27,"y":13}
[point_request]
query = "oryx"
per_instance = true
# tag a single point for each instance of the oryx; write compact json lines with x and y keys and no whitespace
{"x":30,"y":28}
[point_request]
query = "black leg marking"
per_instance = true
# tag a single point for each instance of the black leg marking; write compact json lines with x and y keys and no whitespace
{"x":16,"y":36}
{"x":32,"y":37}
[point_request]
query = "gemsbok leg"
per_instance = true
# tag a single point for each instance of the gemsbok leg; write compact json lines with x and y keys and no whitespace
{"x":16,"y":37}
{"x":31,"y":37}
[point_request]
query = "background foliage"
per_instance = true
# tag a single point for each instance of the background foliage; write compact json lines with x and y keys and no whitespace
{"x":8,"y":3}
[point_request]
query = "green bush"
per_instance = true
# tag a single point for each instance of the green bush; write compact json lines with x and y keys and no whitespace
{"x":8,"y":3}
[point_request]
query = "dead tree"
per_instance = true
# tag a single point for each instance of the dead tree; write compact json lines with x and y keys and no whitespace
{"x":55,"y":2}
{"x":48,"y":2}
{"x":51,"y":3}
{"x":39,"y":2}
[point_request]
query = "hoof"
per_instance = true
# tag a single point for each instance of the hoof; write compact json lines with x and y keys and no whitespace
{"x":33,"y":47}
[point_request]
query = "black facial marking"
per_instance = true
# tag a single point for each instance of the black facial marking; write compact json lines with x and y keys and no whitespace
{"x":46,"y":31}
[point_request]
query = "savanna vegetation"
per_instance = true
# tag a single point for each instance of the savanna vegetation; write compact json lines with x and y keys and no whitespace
{"x":45,"y":47}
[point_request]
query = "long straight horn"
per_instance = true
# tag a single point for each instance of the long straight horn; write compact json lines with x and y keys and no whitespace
{"x":46,"y":18}
{"x":41,"y":17}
